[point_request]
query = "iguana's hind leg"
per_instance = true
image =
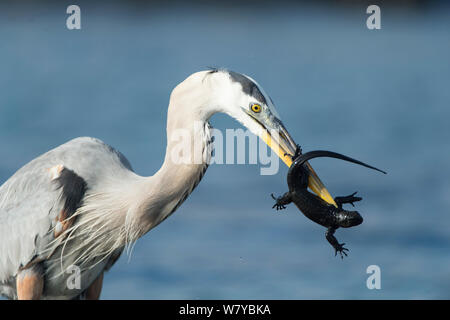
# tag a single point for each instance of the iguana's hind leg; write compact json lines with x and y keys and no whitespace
{"x":347,"y":199}
{"x":282,"y":201}
{"x":30,"y":283}
{"x":338,"y":247}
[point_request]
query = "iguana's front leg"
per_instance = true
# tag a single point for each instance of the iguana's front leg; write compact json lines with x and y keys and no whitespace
{"x":338,"y":247}
{"x":282,"y":201}
{"x":347,"y":199}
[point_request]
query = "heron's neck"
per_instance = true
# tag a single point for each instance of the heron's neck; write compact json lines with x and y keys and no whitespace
{"x":187,"y":156}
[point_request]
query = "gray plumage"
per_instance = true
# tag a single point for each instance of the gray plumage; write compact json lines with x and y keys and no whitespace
{"x":30,"y":201}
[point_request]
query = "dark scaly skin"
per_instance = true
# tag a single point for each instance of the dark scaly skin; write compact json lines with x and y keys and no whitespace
{"x":314,"y":207}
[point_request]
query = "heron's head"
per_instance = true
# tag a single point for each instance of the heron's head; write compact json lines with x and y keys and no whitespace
{"x":244,"y":99}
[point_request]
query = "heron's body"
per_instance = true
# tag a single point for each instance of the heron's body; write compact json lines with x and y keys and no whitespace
{"x":21,"y":241}
{"x":81,"y":204}
{"x":111,"y":187}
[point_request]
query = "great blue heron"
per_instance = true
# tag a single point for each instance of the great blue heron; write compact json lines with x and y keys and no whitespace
{"x":81,"y":204}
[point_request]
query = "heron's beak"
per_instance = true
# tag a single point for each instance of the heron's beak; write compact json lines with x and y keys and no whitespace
{"x":281,"y":142}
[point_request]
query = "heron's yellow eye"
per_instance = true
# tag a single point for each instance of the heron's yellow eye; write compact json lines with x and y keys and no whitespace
{"x":256,"y":108}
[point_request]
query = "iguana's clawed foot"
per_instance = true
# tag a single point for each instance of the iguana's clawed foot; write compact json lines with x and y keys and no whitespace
{"x":298,"y":152}
{"x":339,"y":248}
{"x":347,"y":199}
{"x":278,"y":205}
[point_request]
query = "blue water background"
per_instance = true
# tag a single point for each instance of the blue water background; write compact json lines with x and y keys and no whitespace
{"x":381,"y":96}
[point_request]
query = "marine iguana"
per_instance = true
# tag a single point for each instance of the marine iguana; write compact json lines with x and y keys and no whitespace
{"x":315,"y":208}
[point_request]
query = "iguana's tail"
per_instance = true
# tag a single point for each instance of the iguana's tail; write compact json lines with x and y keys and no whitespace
{"x":329,"y":154}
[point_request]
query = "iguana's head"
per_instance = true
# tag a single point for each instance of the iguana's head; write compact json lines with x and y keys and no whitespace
{"x":347,"y":219}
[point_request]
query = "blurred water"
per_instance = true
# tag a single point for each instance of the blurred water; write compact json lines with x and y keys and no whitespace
{"x":381,"y":96}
